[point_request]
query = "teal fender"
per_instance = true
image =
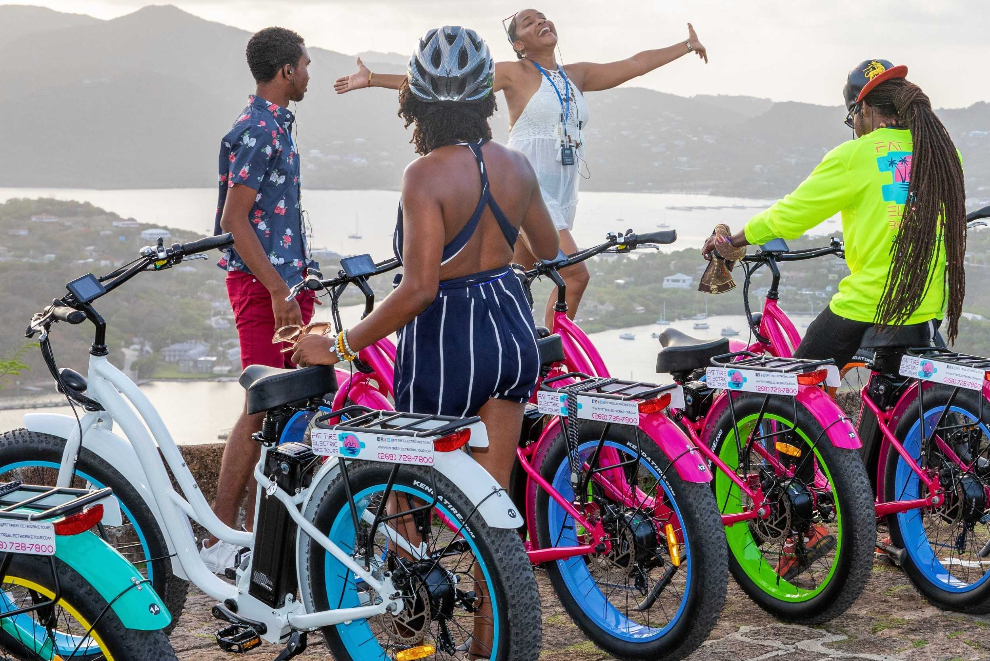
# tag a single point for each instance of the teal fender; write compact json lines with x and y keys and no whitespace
{"x":111,"y":574}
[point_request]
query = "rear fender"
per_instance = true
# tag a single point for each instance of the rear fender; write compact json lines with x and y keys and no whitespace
{"x":135,"y":602}
{"x":837,"y":425}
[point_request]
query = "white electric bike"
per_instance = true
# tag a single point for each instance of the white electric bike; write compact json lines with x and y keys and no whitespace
{"x":387,"y":539}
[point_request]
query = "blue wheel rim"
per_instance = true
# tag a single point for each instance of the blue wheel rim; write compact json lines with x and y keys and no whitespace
{"x":65,"y":644}
{"x":357,"y":636}
{"x":574,"y":571}
{"x":908,"y":487}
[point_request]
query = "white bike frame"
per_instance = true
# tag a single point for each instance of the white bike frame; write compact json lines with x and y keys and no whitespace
{"x":128,"y":406}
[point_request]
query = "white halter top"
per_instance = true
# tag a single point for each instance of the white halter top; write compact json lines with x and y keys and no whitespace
{"x":536,"y":135}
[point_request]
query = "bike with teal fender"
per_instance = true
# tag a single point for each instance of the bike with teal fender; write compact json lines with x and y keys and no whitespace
{"x":327,"y":554}
{"x":64,"y":592}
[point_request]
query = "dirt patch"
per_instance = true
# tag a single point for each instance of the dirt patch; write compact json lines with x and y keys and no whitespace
{"x":890,"y":621}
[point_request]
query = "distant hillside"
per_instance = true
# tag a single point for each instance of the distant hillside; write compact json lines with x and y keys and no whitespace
{"x":143,"y":100}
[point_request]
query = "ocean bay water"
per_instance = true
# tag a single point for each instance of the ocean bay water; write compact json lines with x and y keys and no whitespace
{"x":335,"y":215}
{"x":198,"y":411}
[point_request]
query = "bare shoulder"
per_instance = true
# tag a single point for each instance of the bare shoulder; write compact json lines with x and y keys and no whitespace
{"x":422,"y":175}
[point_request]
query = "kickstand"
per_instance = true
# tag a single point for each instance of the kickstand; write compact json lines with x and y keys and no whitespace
{"x":295,"y":646}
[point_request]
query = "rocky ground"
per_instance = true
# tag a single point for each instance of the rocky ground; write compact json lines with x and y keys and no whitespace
{"x":890,"y":621}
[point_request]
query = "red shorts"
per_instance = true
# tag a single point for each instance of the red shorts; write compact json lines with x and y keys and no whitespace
{"x":252,"y":305}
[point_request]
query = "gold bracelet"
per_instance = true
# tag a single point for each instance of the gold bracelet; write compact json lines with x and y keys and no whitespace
{"x":342,"y":351}
{"x":371,"y":74}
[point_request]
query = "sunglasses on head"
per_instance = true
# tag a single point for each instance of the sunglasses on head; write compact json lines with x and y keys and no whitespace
{"x":852,"y":113}
{"x":505,"y":26}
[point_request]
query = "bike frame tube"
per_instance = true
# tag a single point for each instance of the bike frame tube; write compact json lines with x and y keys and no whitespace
{"x":755,"y":495}
{"x":582,"y":356}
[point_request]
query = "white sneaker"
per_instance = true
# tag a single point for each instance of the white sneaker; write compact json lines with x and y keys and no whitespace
{"x":219,"y":557}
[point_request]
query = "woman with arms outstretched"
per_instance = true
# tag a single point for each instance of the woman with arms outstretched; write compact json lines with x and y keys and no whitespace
{"x":547,"y":117}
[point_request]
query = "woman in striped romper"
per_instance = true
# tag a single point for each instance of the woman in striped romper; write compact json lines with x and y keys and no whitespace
{"x":467,"y":344}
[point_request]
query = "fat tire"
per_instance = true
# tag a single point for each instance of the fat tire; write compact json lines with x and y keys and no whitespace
{"x":699,"y":515}
{"x":855,"y":499}
{"x":974,"y":602}
{"x":514,"y":583}
{"x":122,"y":643}
{"x":23,"y":445}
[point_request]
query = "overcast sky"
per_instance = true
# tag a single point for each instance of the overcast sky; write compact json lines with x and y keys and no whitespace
{"x":787,"y":50}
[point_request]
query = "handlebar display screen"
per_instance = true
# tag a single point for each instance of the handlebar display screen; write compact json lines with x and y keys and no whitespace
{"x":86,"y":288}
{"x":358,"y":265}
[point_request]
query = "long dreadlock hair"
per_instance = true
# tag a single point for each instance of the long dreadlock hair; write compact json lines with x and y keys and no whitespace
{"x":935,"y":209}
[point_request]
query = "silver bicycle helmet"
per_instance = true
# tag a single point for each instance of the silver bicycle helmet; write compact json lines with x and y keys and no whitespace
{"x":451,"y":64}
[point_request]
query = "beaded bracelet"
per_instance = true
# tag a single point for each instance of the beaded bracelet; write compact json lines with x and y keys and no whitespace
{"x":342,"y":350}
{"x":347,"y":345}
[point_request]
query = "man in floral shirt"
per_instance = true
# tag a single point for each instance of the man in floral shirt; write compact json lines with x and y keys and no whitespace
{"x":259,"y":203}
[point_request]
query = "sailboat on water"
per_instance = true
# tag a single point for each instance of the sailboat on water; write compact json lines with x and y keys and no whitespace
{"x":662,"y":321}
{"x":357,"y":230}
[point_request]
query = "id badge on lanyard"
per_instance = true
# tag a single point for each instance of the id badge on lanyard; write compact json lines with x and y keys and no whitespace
{"x":568,"y":155}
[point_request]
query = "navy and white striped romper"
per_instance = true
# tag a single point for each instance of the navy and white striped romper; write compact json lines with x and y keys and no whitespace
{"x":476,"y":341}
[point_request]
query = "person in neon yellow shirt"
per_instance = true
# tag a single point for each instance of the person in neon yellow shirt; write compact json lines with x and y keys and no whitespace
{"x":899,"y":187}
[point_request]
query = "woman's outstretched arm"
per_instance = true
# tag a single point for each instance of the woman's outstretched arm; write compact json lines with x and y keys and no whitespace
{"x":592,"y":77}
{"x":364,"y":77}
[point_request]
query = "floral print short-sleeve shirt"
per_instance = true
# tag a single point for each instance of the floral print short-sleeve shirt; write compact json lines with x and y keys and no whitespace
{"x":259,"y":152}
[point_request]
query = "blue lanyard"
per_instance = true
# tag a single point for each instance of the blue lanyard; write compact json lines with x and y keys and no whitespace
{"x":566,"y":107}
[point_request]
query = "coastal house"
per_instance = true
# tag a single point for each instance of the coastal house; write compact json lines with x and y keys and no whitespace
{"x":125,"y":223}
{"x":677,"y":281}
{"x":154,"y":233}
{"x":189,"y":351}
{"x":44,"y":218}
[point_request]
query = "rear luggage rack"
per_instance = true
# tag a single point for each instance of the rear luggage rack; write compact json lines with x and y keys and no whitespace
{"x":364,"y":419}
{"x":768,"y":363}
{"x":604,"y":400}
{"x":944,"y":355}
{"x":45,"y":502}
{"x":361,"y":433}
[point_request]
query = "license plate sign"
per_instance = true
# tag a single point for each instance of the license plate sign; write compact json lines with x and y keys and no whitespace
{"x":413,"y":450}
{"x":743,"y":380}
{"x":26,"y":537}
{"x":936,"y":371}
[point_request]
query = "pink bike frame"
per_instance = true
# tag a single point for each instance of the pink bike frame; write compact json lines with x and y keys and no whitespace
{"x":581,"y":356}
{"x":784,"y":339}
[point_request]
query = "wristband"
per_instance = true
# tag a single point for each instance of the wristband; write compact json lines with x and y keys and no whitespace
{"x":371,"y":75}
{"x":689,"y":46}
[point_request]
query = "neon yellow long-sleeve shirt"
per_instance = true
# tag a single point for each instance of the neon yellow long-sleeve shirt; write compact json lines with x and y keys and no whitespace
{"x":867,"y":180}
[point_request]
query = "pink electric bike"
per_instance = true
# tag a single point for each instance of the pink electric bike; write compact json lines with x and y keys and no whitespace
{"x":793,"y":495}
{"x":617,"y":507}
{"x":925,"y":428}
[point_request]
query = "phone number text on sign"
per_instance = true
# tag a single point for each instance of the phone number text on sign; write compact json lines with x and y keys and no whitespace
{"x":743,"y":380}
{"x":27,"y":537}
{"x":373,"y":447}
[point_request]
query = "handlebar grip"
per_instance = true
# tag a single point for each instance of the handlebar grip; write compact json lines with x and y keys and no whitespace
{"x":978,"y":214}
{"x":209,"y":243}
{"x":68,"y":315}
{"x":663,"y":237}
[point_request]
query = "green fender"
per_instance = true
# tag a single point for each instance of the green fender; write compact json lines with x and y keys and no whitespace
{"x":110,"y":574}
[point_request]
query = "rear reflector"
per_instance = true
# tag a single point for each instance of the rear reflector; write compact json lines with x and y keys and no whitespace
{"x":812,"y":378}
{"x":80,"y":522}
{"x":449,"y":443}
{"x":655,"y":405}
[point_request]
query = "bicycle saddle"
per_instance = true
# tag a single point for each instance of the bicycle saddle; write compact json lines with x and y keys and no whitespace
{"x":270,"y":387}
{"x":683,"y":353}
{"x":913,"y":335}
{"x":551,"y":350}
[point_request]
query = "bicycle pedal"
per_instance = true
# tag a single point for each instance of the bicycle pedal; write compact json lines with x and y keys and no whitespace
{"x":238,"y":638}
{"x":894,"y":554}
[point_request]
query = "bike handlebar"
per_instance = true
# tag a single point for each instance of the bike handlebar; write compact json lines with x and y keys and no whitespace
{"x":621,"y":242}
{"x":836,"y":247}
{"x":67,"y":314}
{"x":978,"y":214}
{"x":202,"y":245}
